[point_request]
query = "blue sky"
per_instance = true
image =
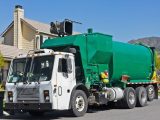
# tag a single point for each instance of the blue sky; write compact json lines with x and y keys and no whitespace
{"x":124,"y":19}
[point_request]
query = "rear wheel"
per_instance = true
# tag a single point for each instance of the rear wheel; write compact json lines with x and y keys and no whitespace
{"x":150,"y":92}
{"x":129,"y":100}
{"x":79,"y":103}
{"x":141,"y":96}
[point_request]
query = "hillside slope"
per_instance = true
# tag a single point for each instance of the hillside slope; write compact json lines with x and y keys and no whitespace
{"x":151,"y":41}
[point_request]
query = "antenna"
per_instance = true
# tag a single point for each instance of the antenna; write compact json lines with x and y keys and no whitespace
{"x":73,"y":21}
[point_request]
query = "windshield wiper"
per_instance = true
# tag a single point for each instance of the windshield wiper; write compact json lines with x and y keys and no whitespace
{"x":24,"y":70}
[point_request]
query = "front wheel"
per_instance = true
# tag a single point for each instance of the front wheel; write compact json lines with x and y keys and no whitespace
{"x":79,"y":103}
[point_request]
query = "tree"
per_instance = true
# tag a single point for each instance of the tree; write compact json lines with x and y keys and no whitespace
{"x":157,"y":65}
{"x":1,"y":60}
{"x":158,"y":62}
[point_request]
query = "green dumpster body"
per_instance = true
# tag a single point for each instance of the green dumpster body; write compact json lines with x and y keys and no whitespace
{"x":98,"y":52}
{"x":135,"y":61}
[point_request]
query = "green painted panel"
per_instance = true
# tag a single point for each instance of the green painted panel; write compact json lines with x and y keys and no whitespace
{"x":59,"y":41}
{"x":99,"y":48}
{"x":140,"y":80}
{"x":132,"y":60}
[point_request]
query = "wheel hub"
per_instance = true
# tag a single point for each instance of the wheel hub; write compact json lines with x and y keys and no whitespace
{"x":80,"y":103}
{"x":150,"y":91}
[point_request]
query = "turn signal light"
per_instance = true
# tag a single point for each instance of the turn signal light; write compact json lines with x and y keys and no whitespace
{"x":46,"y":92}
{"x":10,"y":93}
{"x":46,"y":95}
{"x":10,"y":96}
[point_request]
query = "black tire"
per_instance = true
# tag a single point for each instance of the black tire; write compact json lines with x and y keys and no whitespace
{"x":129,"y":100}
{"x":141,"y":94}
{"x":150,"y":92}
{"x":36,"y":113}
{"x":79,"y":103}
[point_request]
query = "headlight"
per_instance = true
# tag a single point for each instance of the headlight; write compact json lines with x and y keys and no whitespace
{"x":46,"y":95}
{"x":10,"y":96}
{"x":11,"y":99}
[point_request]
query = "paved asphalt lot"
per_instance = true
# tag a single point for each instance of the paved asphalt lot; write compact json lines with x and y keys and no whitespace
{"x":150,"y":112}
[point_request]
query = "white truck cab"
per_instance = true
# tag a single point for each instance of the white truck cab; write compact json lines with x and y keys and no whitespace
{"x":40,"y":81}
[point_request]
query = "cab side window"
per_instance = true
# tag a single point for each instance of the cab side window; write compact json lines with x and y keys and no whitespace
{"x":62,"y":65}
{"x":65,"y":65}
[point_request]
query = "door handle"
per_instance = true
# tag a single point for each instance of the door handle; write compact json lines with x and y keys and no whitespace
{"x":59,"y":90}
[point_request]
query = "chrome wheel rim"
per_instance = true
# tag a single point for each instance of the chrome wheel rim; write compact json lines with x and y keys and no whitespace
{"x":151,"y":92}
{"x":131,"y":98}
{"x":80,"y":103}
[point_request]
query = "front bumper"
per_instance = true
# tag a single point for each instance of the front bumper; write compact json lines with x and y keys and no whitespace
{"x":28,"y":106}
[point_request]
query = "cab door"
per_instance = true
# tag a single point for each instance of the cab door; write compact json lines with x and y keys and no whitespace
{"x":65,"y":81}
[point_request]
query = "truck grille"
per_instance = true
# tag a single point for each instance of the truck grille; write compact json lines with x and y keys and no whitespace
{"x":28,"y":94}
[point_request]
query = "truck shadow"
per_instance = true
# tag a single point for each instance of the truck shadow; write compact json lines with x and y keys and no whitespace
{"x":95,"y":109}
{"x":46,"y":116}
{"x":59,"y":114}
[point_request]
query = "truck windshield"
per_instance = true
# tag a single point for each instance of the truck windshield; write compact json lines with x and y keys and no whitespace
{"x":34,"y":69}
{"x":19,"y":69}
{"x":41,"y":69}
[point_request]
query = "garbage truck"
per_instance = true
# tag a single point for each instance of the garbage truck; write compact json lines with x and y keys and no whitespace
{"x":73,"y":72}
